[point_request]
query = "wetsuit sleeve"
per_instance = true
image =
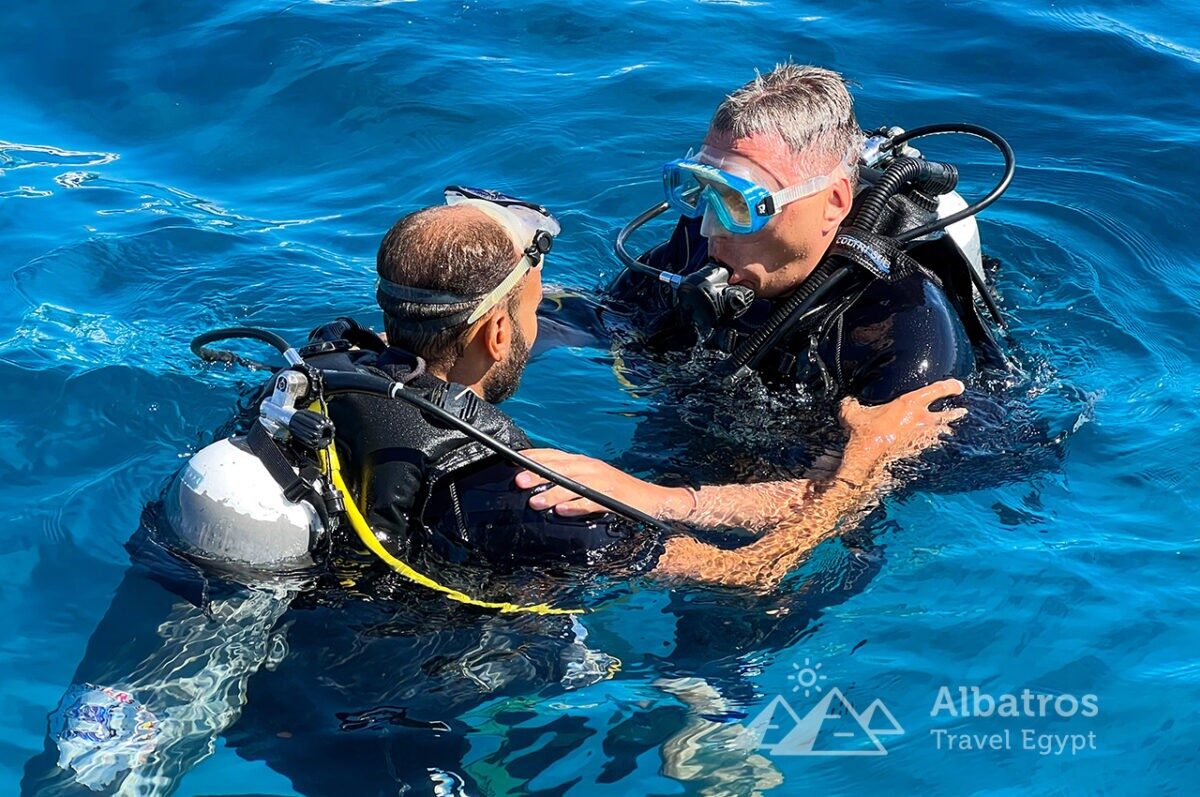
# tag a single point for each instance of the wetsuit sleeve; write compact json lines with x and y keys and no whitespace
{"x":897,"y":340}
{"x":483,"y":515}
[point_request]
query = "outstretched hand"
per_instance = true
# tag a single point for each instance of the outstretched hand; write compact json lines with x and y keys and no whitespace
{"x":904,"y":427}
{"x":660,"y":502}
{"x":879,"y":436}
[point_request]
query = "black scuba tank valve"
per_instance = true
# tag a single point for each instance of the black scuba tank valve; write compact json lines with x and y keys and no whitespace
{"x":311,"y":429}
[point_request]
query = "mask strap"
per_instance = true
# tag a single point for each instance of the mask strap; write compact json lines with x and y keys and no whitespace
{"x":500,"y":291}
{"x":513,"y":226}
{"x":808,"y":187}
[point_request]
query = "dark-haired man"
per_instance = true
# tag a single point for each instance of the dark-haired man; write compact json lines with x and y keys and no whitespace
{"x":459,"y":285}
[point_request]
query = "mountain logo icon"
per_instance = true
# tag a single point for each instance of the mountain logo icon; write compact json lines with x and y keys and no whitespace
{"x":831,"y":727}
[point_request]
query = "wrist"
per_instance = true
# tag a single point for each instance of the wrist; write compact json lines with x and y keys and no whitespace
{"x":676,"y":503}
{"x":859,"y":464}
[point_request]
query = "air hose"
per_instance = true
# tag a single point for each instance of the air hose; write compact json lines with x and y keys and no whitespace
{"x":990,"y":136}
{"x":344,"y":381}
{"x":631,"y":262}
{"x":930,"y":176}
{"x":201,"y":350}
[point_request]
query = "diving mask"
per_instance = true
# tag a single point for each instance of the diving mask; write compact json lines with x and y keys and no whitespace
{"x":732,"y":188}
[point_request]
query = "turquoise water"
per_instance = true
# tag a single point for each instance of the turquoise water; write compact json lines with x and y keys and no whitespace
{"x":169,"y":167}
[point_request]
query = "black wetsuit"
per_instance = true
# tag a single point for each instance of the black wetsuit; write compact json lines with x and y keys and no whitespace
{"x":424,"y":487}
{"x":875,"y":341}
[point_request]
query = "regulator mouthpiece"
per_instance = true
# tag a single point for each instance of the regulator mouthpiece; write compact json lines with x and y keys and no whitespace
{"x":708,"y":297}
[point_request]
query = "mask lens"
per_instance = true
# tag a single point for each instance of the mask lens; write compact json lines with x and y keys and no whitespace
{"x":685,"y":189}
{"x":733,"y":201}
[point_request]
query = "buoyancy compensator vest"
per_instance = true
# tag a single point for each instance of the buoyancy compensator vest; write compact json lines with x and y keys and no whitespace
{"x":355,"y":435}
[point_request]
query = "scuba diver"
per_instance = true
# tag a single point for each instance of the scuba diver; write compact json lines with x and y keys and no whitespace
{"x":810,"y":257}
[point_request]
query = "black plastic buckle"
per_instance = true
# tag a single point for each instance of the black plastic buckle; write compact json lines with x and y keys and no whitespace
{"x":304,"y":484}
{"x":324,"y":347}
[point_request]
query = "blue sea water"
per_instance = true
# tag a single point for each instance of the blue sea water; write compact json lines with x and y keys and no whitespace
{"x":170,"y":167}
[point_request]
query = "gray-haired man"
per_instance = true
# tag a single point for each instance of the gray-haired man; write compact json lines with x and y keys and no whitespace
{"x":793,"y":133}
{"x":768,"y":193}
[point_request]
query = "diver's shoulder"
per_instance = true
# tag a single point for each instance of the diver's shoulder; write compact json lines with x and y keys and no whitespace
{"x":915,"y":287}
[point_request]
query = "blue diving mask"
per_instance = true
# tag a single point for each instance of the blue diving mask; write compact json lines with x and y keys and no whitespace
{"x":732,"y":188}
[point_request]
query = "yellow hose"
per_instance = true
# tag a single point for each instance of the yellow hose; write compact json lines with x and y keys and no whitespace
{"x":329,"y":460}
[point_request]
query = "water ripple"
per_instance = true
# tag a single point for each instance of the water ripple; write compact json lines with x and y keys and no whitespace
{"x":25,"y":156}
{"x":1094,"y":21}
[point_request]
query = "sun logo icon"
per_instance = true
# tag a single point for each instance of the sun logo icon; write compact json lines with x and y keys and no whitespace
{"x":806,"y":677}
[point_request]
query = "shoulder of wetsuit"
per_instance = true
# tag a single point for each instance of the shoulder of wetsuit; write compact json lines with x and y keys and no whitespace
{"x":939,"y":254}
{"x":942,"y":257}
{"x":906,"y":211}
{"x":481,"y":516}
{"x":897,"y":336}
{"x":466,"y":404}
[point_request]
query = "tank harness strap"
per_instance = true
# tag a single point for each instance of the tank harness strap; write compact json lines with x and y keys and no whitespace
{"x":332,"y":466}
{"x":881,"y":256}
{"x":295,"y":486}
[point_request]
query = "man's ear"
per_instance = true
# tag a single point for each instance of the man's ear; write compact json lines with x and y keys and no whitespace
{"x":494,"y":334}
{"x":837,"y":204}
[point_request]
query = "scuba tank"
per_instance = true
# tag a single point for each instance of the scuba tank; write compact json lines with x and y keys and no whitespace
{"x":259,"y":500}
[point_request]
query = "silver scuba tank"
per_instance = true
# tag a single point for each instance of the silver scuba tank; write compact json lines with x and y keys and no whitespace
{"x":226,"y":506}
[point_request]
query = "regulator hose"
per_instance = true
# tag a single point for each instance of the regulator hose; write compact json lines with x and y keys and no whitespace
{"x":749,"y":352}
{"x":978,"y":131}
{"x":937,"y":178}
{"x":344,"y":381}
{"x":930,"y":176}
{"x":631,"y":262}
{"x":201,"y":350}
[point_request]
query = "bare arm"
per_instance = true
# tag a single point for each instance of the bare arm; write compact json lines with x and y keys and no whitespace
{"x":800,"y":513}
{"x":805,"y":517}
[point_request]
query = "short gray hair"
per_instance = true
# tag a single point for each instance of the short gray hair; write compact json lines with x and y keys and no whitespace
{"x":808,"y":107}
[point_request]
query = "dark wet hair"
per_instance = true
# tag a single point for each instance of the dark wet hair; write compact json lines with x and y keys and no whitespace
{"x":444,"y":248}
